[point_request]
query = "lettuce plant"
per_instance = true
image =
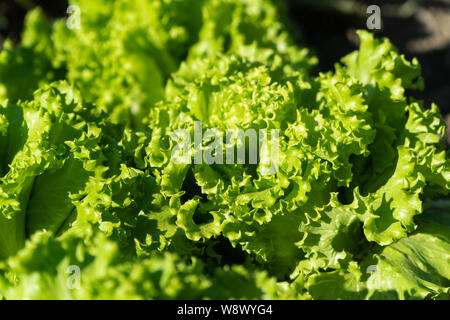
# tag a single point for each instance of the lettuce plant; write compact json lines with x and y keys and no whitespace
{"x":356,"y":207}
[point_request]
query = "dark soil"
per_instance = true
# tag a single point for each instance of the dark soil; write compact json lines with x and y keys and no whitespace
{"x":12,"y":13}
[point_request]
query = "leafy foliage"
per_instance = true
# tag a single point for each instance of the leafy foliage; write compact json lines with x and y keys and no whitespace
{"x":87,"y":176}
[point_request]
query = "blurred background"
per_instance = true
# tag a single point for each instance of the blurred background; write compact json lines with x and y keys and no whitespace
{"x":419,"y":28}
